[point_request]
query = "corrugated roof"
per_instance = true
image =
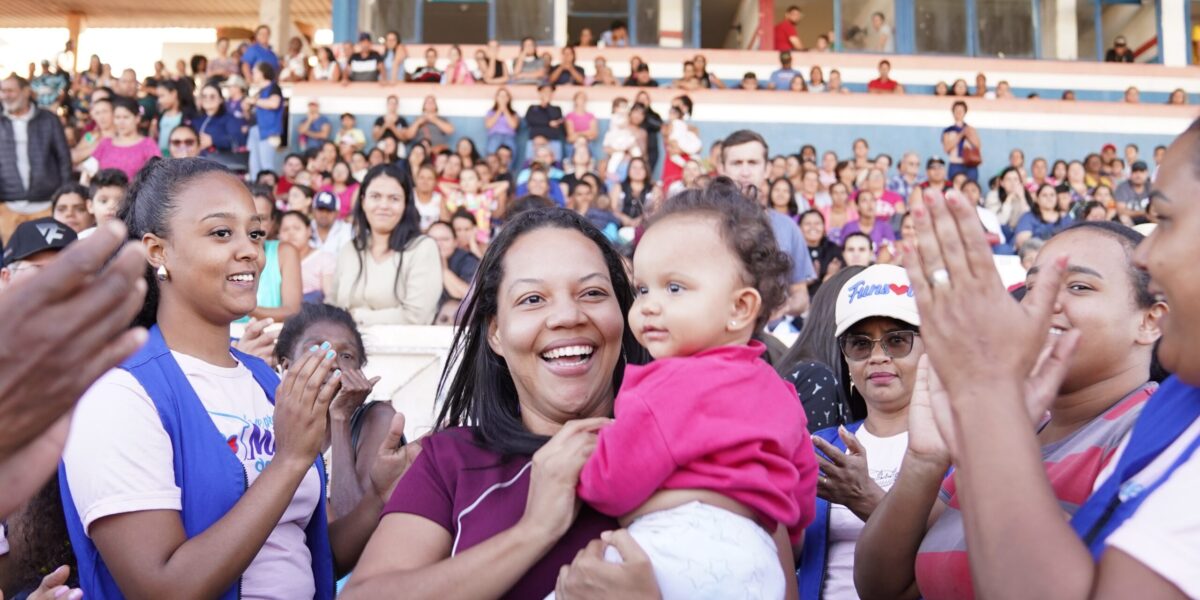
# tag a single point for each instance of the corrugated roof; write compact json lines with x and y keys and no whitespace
{"x":162,"y":13}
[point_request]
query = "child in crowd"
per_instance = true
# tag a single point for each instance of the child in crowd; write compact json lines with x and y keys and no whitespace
{"x":620,"y":142}
{"x":106,"y":195}
{"x":682,"y":145}
{"x":482,"y":202}
{"x":351,"y":134}
{"x":697,"y":476}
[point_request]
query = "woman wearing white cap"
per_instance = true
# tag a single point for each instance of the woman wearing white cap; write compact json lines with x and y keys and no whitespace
{"x":877,"y":331}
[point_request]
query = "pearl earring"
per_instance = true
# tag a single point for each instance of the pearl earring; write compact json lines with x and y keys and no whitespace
{"x":733,"y":323}
{"x":161,"y":273}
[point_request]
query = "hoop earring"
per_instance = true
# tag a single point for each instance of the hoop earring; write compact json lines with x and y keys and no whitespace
{"x":161,"y":273}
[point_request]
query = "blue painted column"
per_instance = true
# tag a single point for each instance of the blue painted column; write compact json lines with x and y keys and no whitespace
{"x":345,"y":20}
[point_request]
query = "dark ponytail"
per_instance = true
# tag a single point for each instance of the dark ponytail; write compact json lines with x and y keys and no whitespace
{"x":148,"y":206}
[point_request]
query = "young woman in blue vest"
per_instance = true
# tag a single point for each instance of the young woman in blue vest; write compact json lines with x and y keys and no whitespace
{"x":878,"y":333}
{"x":915,"y":545}
{"x":191,"y":471}
{"x":1138,"y":534}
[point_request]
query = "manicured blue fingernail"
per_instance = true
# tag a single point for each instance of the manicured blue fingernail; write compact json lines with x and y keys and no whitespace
{"x":313,"y":349}
{"x":325,"y":345}
{"x":329,"y":355}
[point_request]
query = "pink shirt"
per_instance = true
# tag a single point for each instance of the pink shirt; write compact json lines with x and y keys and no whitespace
{"x":720,"y":420}
{"x":345,"y":198}
{"x":126,"y":158}
{"x":580,"y":121}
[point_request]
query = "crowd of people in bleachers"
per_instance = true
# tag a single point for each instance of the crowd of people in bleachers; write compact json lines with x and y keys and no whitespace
{"x":637,"y":274}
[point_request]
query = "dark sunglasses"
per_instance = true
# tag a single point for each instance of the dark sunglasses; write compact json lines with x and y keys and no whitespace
{"x":184,"y":143}
{"x":895,"y":344}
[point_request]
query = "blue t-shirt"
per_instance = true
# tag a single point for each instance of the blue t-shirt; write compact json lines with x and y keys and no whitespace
{"x":257,"y":53}
{"x":782,"y":78}
{"x":270,"y":122}
{"x":791,"y":241}
{"x":310,"y":143}
{"x":1039,"y":228}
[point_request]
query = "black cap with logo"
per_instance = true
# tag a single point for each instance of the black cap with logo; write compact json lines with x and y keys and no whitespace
{"x":37,"y":236}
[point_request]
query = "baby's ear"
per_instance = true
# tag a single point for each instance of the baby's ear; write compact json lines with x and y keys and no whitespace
{"x":744,"y":309}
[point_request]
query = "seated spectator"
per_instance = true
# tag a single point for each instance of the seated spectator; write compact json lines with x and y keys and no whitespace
{"x":749,"y":81}
{"x":68,"y":205}
{"x":809,"y":193}
{"x":786,"y":36}
{"x":501,"y":122}
{"x":330,"y":232}
{"x":579,"y":166}
{"x":940,"y":89}
{"x":295,"y":64}
{"x":481,"y":201}
{"x":981,"y":87}
{"x":542,"y":181}
{"x":1133,"y":194}
{"x":492,"y":69}
{"x":879,"y":230}
{"x":581,"y":125}
{"x":1178,"y":97}
{"x":835,"y":83}
{"x":583,"y":201}
{"x":635,"y":194}
{"x":567,"y":72}
{"x":316,"y":267}
{"x":641,"y":77}
{"x":343,"y":185}
{"x":128,"y":149}
{"x":1043,"y":220}
{"x":858,"y":250}
{"x":545,"y":121}
{"x":33,"y":245}
{"x":887,"y":202}
{"x":390,"y":123}
{"x":825,"y":254}
{"x":458,"y":265}
{"x":682,"y":141}
{"x":707,"y":80}
{"x":372,"y":280}
{"x":884,"y":84}
{"x":300,"y":199}
{"x":587,"y":39}
{"x":350,"y":136}
{"x":823,"y":44}
{"x":781,"y":198}
{"x":279,"y":282}
{"x":394,"y":55}
{"x":183,"y":142}
{"x":220,"y":132}
{"x":879,"y":37}
{"x":529,"y":68}
{"x":428,"y":72}
{"x":1132,"y":95}
{"x":617,"y":35}
{"x":430,"y":126}
{"x":1119,"y":52}
{"x":797,"y":84}
{"x":466,"y":231}
{"x":689,"y":81}
{"x":781,"y":78}
{"x":327,"y":67}
{"x":604,"y":75}
{"x":106,"y":196}
{"x":457,"y":72}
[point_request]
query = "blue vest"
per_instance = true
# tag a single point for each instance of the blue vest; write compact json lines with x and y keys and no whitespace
{"x":211,"y":479}
{"x":810,"y":575}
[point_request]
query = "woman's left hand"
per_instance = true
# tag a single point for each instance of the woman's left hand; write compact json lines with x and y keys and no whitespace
{"x":590,"y":576}
{"x":393,"y":459}
{"x":844,"y":478}
{"x":355,"y":389}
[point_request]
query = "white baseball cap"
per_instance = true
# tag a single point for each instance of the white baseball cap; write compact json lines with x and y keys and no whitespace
{"x":879,"y":291}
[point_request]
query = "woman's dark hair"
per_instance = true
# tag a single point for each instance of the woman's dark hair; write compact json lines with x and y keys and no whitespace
{"x":220,"y":95}
{"x":476,"y":383}
{"x":38,"y":532}
{"x":792,"y":207}
{"x":266,"y":69}
{"x":304,"y":189}
{"x":473,"y":154}
{"x":462,"y":213}
{"x":349,"y":172}
{"x":148,"y":207}
{"x":858,"y":234}
{"x":71,"y":187}
{"x":187,"y":102}
{"x":747,"y":232}
{"x":310,"y":314}
{"x":128,"y":104}
{"x":295,"y":213}
{"x":811,"y":212}
{"x":1036,"y":208}
{"x":186,"y":127}
{"x":496,"y":103}
{"x":1003,"y":193}
{"x":645,"y":168}
{"x":1089,"y":206}
{"x":817,"y":342}
{"x":407,"y":230}
{"x":327,"y":52}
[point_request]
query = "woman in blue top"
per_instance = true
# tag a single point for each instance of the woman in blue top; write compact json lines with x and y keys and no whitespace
{"x":1138,"y":535}
{"x":264,"y":136}
{"x":220,"y":131}
{"x":1043,"y":219}
{"x":280,"y":283}
{"x":192,"y":471}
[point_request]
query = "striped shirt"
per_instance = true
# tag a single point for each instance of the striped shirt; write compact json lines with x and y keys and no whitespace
{"x":1072,"y":466}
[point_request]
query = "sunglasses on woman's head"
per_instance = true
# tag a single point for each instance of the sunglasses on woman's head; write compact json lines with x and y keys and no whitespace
{"x":895,"y":344}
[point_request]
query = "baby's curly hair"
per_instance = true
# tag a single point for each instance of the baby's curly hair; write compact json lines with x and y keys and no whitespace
{"x":744,"y":226}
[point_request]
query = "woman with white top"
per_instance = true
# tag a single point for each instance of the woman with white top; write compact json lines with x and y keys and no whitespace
{"x":390,"y":273}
